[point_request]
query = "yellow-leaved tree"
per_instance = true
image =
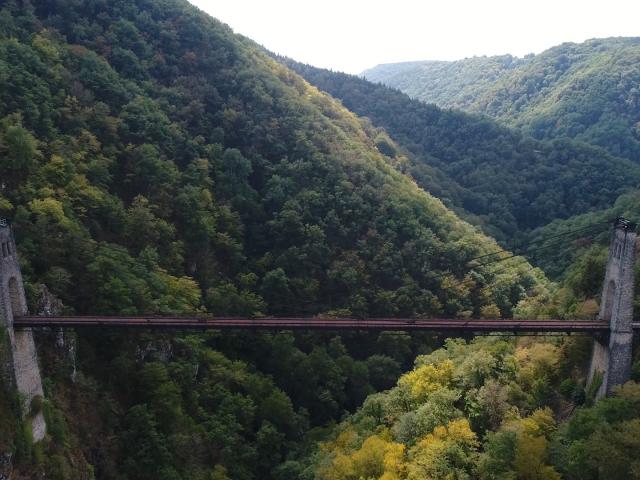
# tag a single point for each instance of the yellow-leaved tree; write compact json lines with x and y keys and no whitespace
{"x":426,"y":379}
{"x":377,"y":458}
{"x":448,"y":452}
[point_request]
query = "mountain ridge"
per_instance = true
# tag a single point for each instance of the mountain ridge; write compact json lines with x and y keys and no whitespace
{"x":510,"y":182}
{"x":587,"y":91}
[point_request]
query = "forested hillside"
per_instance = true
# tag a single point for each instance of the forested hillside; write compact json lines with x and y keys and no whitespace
{"x":154,"y":162}
{"x":453,"y":84}
{"x":481,"y":411}
{"x":214,"y":165}
{"x":507,"y":181}
{"x":585,"y":247}
{"x":586,"y":91}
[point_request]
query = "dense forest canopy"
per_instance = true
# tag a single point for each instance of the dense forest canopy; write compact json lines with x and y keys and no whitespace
{"x":482,"y":411}
{"x":587,"y":242}
{"x":586,"y":91}
{"x":504,"y":180}
{"x":191,"y":171}
{"x":154,"y":162}
{"x":452,"y":84}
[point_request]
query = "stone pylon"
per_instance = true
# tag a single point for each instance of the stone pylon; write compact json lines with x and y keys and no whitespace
{"x":611,"y":357}
{"x":23,"y":361}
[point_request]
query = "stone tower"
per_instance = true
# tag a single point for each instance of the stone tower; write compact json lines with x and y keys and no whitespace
{"x":23,"y":361}
{"x":611,"y":357}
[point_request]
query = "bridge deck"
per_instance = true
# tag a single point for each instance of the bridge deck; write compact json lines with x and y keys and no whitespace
{"x":319,"y":323}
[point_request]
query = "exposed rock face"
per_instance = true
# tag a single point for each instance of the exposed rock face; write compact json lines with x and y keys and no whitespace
{"x":160,"y":350}
{"x":47,"y":303}
{"x":5,"y":466}
{"x":64,"y":341}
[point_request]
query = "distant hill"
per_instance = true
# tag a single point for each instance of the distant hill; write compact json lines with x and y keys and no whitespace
{"x":507,"y":181}
{"x":447,"y":84}
{"x":588,"y":91}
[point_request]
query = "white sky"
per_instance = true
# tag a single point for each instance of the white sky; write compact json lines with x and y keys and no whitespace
{"x":352,"y":35}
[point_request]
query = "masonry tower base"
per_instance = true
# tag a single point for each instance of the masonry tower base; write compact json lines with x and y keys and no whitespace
{"x":612,"y":356}
{"x":21,"y":365}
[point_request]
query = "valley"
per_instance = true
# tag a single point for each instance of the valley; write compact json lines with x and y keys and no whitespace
{"x":156,"y":164}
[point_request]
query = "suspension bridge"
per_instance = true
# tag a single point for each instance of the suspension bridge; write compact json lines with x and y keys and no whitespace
{"x":436,"y":325}
{"x":612,"y":330}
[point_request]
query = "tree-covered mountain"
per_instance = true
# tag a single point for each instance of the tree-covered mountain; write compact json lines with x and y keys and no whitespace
{"x":154,"y":162}
{"x":449,"y":84}
{"x":590,"y":240}
{"x":203,"y":158}
{"x":506,"y":180}
{"x":587,"y":91}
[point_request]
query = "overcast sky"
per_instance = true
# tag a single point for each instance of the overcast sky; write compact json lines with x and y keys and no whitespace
{"x":352,"y":35}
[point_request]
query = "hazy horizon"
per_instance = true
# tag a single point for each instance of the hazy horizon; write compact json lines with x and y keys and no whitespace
{"x":353,"y":36}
